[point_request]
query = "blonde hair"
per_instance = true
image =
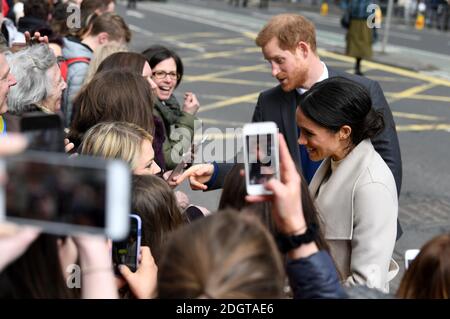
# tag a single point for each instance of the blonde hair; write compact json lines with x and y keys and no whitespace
{"x":289,"y":29}
{"x":101,"y":54}
{"x":119,"y":140}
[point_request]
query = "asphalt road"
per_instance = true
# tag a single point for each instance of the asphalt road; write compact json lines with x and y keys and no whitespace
{"x":227,"y":71}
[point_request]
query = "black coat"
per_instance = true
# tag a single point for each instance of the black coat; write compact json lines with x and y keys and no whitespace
{"x":280,"y":107}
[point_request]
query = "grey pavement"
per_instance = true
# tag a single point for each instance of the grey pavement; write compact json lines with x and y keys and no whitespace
{"x":420,"y":58}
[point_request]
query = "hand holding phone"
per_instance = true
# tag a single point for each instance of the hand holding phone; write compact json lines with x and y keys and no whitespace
{"x":126,"y":252}
{"x":66,"y":196}
{"x":44,"y":132}
{"x":261,"y":157}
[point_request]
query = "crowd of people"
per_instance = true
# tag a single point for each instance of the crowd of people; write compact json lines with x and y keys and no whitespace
{"x":327,"y":231}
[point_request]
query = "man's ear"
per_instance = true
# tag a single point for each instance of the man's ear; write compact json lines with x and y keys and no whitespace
{"x":303,"y":49}
{"x":345,"y":132}
{"x":102,"y":38}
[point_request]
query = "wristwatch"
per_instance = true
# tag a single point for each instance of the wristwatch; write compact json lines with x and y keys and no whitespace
{"x":286,"y":243}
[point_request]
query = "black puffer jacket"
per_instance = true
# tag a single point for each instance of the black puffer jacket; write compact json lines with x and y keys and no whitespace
{"x":314,"y":277}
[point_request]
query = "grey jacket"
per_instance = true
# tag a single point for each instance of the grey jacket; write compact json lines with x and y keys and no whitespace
{"x":75,"y":74}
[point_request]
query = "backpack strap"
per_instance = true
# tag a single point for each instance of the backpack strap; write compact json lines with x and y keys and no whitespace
{"x":76,"y":60}
{"x":64,"y":65}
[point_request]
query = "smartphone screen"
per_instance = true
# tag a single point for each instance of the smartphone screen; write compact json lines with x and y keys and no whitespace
{"x":43,"y":131}
{"x":261,"y":161}
{"x":49,"y":187}
{"x":126,"y":252}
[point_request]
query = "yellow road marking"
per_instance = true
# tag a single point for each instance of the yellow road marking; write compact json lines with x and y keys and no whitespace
{"x":214,"y":97}
{"x":423,"y":127}
{"x":430,"y":98}
{"x":386,"y":68}
{"x":240,"y":99}
{"x":208,"y":76}
{"x":222,"y":54}
{"x":414,"y":116}
{"x":223,"y":136}
{"x":223,"y":123}
{"x":231,"y":41}
{"x":191,"y":35}
{"x":242,"y":82}
{"x":412,"y":91}
{"x":251,"y":35}
{"x":389,"y":79}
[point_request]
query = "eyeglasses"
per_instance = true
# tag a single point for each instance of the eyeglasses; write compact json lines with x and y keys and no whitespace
{"x":162,"y":75}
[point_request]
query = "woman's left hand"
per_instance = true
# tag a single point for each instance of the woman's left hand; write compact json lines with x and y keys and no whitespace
{"x":191,"y":104}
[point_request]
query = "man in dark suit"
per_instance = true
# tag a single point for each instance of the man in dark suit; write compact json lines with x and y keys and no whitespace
{"x":288,"y":43}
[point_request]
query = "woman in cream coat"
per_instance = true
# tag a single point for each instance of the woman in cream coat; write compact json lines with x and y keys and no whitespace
{"x":353,"y":188}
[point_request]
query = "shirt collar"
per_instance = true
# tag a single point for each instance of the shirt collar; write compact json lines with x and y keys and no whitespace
{"x":324,"y":76}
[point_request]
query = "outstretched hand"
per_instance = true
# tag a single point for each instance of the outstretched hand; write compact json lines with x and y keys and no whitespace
{"x":198,"y":176}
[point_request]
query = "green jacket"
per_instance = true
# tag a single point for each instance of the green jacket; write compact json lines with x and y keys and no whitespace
{"x":174,"y":118}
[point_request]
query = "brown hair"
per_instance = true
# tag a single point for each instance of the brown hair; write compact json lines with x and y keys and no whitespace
{"x":289,"y":29}
{"x":105,"y":99}
{"x":112,"y":24}
{"x":428,"y":277}
{"x":88,"y":8}
{"x":130,"y":61}
{"x":100,"y":55}
{"x":233,"y":196}
{"x":156,"y":204}
{"x":224,"y":255}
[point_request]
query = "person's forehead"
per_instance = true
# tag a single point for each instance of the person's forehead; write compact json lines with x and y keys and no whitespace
{"x":166,"y":63}
{"x":272,"y":48}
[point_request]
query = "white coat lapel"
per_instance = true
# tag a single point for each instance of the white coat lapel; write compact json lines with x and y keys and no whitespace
{"x":335,"y":201}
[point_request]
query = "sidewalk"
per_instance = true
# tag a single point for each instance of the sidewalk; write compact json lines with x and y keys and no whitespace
{"x":419,"y":60}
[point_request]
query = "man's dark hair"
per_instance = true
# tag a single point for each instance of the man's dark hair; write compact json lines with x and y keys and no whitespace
{"x":37,"y":8}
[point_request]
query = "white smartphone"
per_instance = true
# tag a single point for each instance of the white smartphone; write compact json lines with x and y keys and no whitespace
{"x":261,"y":156}
{"x":64,"y":196}
{"x":410,"y":254}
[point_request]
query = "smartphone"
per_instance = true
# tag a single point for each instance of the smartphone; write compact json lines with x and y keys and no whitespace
{"x":186,"y":158}
{"x":261,"y":156}
{"x":44,"y":132}
{"x":126,"y":252}
{"x":66,"y":195}
{"x":410,"y":255}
